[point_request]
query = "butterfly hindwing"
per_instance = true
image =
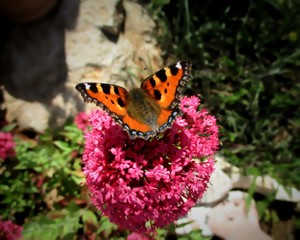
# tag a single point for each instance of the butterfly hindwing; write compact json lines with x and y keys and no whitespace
{"x":136,"y":128}
{"x":166,"y":85}
{"x":111,"y":98}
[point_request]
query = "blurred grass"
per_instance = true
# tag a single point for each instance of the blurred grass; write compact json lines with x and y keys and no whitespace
{"x":246,"y":59}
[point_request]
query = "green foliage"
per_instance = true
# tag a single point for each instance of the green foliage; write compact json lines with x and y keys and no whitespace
{"x":63,"y":226}
{"x":41,"y":188}
{"x":69,"y":223}
{"x":246,"y":59}
{"x":194,"y":234}
{"x":44,"y":171}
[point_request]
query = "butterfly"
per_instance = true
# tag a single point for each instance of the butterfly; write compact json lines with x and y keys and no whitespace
{"x":146,"y":111}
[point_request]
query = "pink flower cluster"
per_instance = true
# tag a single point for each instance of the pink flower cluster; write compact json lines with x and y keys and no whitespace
{"x":7,"y":145}
{"x":9,"y":230}
{"x":142,"y":185}
{"x":82,"y":120}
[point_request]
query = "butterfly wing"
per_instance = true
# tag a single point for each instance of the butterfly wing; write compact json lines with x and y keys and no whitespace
{"x":114,"y":100}
{"x":111,"y":98}
{"x":165,"y":87}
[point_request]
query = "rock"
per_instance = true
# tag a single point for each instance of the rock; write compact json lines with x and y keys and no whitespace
{"x":197,"y":220}
{"x":43,"y":61}
{"x":222,"y":211}
{"x":139,"y":30}
{"x":114,"y":62}
{"x":219,"y":186}
{"x":263,"y":184}
{"x":230,"y":219}
{"x":234,"y":220}
{"x":30,"y":115}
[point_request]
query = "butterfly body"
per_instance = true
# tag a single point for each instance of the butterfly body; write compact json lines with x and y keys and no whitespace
{"x":142,"y":112}
{"x":143,"y":108}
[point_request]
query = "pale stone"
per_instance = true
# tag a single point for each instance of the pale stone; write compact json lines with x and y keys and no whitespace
{"x":232,"y":219}
{"x":44,"y":61}
{"x":28,"y":115}
{"x":222,"y":211}
{"x":197,"y":219}
{"x":263,"y":184}
{"x":219,"y":186}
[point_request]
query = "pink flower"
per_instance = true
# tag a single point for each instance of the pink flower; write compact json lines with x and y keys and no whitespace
{"x":137,"y":236}
{"x":82,"y":120}
{"x":7,"y":145}
{"x":142,"y":185}
{"x":9,"y":230}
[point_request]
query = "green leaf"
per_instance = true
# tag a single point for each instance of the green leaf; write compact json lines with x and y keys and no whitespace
{"x":89,"y":216}
{"x":9,"y":127}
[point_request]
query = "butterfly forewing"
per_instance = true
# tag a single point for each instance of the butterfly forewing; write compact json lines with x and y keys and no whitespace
{"x":165,"y":86}
{"x":111,"y":98}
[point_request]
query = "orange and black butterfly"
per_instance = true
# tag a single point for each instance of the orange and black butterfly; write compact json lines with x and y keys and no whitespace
{"x":142,"y":112}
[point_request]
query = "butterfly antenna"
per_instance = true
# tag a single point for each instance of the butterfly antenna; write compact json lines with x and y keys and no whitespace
{"x":148,"y":70}
{"x":148,"y":66}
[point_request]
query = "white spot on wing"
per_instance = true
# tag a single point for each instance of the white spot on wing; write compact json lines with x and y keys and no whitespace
{"x":178,"y":65}
{"x":87,"y":86}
